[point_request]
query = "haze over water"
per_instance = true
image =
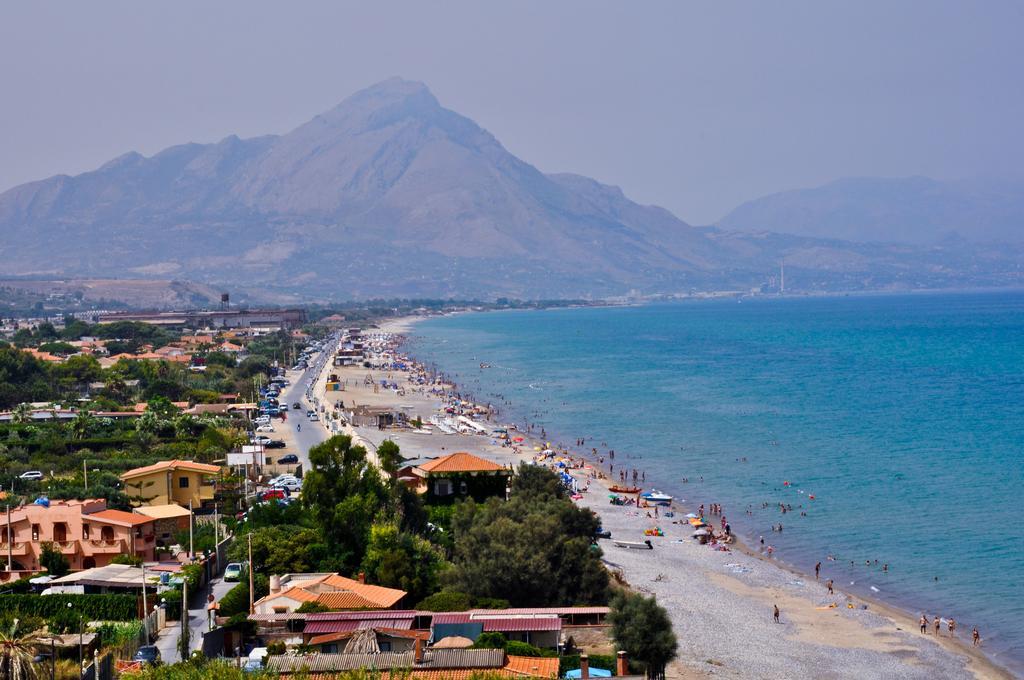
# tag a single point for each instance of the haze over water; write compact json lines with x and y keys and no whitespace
{"x":903,"y":415}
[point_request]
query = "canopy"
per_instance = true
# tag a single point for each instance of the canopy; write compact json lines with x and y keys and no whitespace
{"x":594,"y":673}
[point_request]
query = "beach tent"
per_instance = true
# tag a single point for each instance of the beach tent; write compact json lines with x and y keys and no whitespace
{"x":594,"y":673}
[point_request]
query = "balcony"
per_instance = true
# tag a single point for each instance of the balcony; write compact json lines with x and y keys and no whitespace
{"x":206,"y":492}
{"x":67,"y":547}
{"x":18,"y":549}
{"x":102,"y":547}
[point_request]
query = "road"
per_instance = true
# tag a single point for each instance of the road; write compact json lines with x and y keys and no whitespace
{"x":300,"y":441}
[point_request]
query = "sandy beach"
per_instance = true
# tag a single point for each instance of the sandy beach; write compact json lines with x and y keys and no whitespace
{"x":720,"y":602}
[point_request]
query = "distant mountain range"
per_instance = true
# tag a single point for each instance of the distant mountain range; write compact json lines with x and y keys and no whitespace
{"x":904,"y":210}
{"x":390,"y":194}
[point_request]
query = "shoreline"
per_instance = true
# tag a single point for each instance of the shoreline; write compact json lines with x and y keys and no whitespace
{"x":865,"y":625}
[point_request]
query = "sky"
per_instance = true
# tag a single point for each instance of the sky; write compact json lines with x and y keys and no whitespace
{"x":694,"y":106}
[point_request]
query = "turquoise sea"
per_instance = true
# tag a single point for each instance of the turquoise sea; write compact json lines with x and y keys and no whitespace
{"x":902,"y":415}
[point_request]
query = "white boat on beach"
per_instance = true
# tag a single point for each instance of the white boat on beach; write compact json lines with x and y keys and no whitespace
{"x":634,"y":545}
{"x":657,"y":497}
{"x":440,"y":424}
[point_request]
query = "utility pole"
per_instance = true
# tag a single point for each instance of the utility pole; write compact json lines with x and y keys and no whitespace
{"x":191,"y":521}
{"x":184,"y":644}
{"x":145,"y":608}
{"x":251,"y":607}
{"x":10,"y":541}
{"x":85,"y":476}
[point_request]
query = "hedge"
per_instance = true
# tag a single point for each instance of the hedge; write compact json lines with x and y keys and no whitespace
{"x":91,"y":607}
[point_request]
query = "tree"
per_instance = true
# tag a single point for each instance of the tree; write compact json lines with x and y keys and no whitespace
{"x":16,"y":654}
{"x":83,"y":425}
{"x":22,"y":414}
{"x":389,"y":456}
{"x":344,"y":495}
{"x":400,"y":560}
{"x":53,"y":560}
{"x":312,"y":607}
{"x":642,"y":627}
{"x":548,"y":539}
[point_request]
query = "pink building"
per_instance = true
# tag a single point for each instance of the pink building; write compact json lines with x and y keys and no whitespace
{"x":86,"y":532}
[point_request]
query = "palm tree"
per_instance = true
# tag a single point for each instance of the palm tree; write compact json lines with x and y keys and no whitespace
{"x":82,"y":425}
{"x":22,"y":414}
{"x":16,"y":654}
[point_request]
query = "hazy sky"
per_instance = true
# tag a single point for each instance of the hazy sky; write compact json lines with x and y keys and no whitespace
{"x":695,"y":106}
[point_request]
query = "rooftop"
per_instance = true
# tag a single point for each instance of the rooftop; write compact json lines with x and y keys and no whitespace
{"x":460,"y":462}
{"x":166,"y":465}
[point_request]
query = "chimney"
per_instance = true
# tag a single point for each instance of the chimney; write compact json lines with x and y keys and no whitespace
{"x":584,"y":667}
{"x":621,"y":664}
{"x":418,"y":650}
{"x":361,"y":577}
{"x":275,"y":584}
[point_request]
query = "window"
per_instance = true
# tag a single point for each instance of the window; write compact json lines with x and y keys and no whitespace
{"x":85,"y":532}
{"x":182,"y":482}
{"x":463,"y":487}
{"x":138,"y":531}
{"x":35,"y":532}
{"x":443,"y":487}
{"x":384,"y":645}
{"x":330,"y":649}
{"x":280,"y":610}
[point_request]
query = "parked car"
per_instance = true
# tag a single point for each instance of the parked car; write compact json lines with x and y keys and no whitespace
{"x":233,"y":571}
{"x":277,"y":493}
{"x":32,"y":475}
{"x":314,"y":417}
{"x":148,"y":654}
{"x":275,"y":444}
{"x":266,"y":428}
{"x":261,"y":440}
{"x":293,"y":486}
{"x":290,"y":459}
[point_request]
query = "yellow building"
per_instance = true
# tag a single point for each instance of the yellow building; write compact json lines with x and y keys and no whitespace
{"x":171,"y":481}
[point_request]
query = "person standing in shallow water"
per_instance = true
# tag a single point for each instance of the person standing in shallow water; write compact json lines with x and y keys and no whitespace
{"x":924,"y":624}
{"x":817,"y":570}
{"x":775,"y":614}
{"x":938,"y":625}
{"x":976,"y":637}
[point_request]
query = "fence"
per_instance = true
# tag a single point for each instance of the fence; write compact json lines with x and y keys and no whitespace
{"x":101,"y":668}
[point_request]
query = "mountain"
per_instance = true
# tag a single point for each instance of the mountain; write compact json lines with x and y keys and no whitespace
{"x":904,"y":210}
{"x":390,"y":194}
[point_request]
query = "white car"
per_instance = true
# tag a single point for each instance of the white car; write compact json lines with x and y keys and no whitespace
{"x":314,"y":417}
{"x":262,"y":420}
{"x":293,"y":485}
{"x":266,"y":428}
{"x":285,"y":479}
{"x":31,"y":475}
{"x":261,"y":440}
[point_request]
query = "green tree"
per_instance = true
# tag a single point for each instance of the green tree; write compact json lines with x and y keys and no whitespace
{"x":53,"y":560}
{"x":404,"y":561}
{"x":16,"y":653}
{"x":22,"y":414}
{"x":83,"y":425}
{"x":389,"y":456}
{"x":549,"y":539}
{"x":642,"y":627}
{"x":344,"y":495}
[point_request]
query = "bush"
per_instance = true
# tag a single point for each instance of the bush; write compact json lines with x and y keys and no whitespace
{"x":312,"y":607}
{"x":276,"y":648}
{"x":91,"y":607}
{"x":517,"y":648}
{"x":446,"y":601}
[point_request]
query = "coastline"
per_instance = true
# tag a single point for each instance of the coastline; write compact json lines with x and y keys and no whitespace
{"x":874,"y":639}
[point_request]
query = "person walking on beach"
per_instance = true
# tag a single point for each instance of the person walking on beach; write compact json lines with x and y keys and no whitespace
{"x":938,"y":624}
{"x":775,"y":614}
{"x":976,"y":637}
{"x":924,"y":624}
{"x":951,"y":625}
{"x":829,"y":586}
{"x":817,"y":570}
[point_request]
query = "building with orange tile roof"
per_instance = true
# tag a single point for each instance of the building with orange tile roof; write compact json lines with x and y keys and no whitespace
{"x":290,"y":591}
{"x":457,"y":475}
{"x":171,"y":481}
{"x":85,"y":532}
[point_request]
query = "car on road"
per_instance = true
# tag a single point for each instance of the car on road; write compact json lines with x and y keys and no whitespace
{"x":233,"y":571}
{"x":290,"y":459}
{"x":296,"y":405}
{"x":148,"y":654}
{"x":314,"y":417}
{"x":31,"y":475}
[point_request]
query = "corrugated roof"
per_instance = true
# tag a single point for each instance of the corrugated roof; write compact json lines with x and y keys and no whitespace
{"x":560,"y":611}
{"x":439,"y":659}
{"x":530,"y":624}
{"x":163,"y":511}
{"x":460,"y":462}
{"x":320,"y":627}
{"x":355,"y":616}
